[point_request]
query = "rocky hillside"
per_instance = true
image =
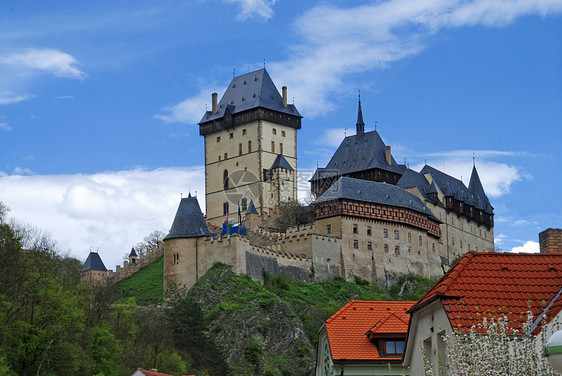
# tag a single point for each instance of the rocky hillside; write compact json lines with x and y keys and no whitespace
{"x":228,"y":324}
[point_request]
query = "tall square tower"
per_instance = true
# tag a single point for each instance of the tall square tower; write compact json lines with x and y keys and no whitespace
{"x":250,"y":148}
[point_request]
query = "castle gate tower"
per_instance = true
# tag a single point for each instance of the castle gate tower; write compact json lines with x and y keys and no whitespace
{"x":250,"y":148}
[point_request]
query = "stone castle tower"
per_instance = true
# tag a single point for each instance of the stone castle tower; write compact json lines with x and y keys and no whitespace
{"x":250,"y":148}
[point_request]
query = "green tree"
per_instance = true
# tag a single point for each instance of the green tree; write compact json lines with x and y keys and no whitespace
{"x":291,"y":214}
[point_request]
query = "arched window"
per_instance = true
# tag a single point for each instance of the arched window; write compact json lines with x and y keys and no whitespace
{"x":420,"y":240}
{"x":225,"y":179}
{"x":409,"y":237}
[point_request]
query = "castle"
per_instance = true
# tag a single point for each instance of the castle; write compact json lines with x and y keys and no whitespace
{"x":374,"y":218}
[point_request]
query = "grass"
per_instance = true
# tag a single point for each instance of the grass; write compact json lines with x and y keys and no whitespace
{"x":146,"y":286}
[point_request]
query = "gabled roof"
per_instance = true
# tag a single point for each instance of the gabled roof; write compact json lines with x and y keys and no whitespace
{"x":249,"y":91}
{"x":93,"y":262}
{"x":450,"y":186}
{"x":391,"y":324}
{"x":490,"y":283}
{"x":374,"y":192}
{"x":251,"y":208}
{"x":361,"y":152}
{"x":348,"y":328}
{"x":281,"y":162}
{"x":147,"y":372}
{"x":189,"y":221}
{"x":413,"y":179}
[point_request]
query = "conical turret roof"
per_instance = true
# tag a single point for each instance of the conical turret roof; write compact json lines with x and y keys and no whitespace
{"x":189,"y":221}
{"x":93,"y":262}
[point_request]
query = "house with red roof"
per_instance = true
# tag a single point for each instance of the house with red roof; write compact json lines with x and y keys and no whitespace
{"x":364,"y":338}
{"x":153,"y":372}
{"x":483,"y":284}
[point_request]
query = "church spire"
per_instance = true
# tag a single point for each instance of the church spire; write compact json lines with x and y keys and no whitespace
{"x":360,"y":124}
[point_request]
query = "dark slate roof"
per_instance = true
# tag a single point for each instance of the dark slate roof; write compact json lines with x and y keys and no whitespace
{"x":450,"y":186}
{"x":475,"y":186}
{"x":249,"y":91}
{"x":374,"y":192}
{"x":93,"y":262}
{"x":413,"y":179}
{"x":133,"y":253}
{"x":281,"y":162}
{"x":447,"y":184}
{"x":358,"y":153}
{"x":251,"y":208}
{"x":189,"y":221}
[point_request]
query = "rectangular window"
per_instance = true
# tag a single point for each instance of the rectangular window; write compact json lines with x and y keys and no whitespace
{"x":249,"y":146}
{"x":355,"y":244}
{"x":396,"y":234}
{"x":218,"y":139}
{"x":386,"y":248}
{"x":274,"y":131}
{"x":239,"y":149}
{"x":243,"y":132}
{"x":282,"y":133}
{"x":225,"y":155}
{"x":369,"y":246}
{"x":397,"y":249}
{"x":280,"y":148}
{"x":384,"y":233}
{"x":272,"y":147}
{"x":394,"y":347}
{"x":328,"y":229}
{"x":369,"y":230}
{"x":231,"y":136}
{"x":354,"y":228}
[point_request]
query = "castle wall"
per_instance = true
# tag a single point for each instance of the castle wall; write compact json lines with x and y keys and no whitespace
{"x":141,"y":261}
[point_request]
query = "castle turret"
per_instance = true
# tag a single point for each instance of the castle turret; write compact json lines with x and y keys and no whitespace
{"x":181,"y":252}
{"x":133,"y":257}
{"x":94,"y":271}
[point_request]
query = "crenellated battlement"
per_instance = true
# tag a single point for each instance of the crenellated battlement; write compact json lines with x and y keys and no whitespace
{"x":134,"y":264}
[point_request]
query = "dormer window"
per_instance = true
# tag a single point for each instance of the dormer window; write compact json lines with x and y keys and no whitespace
{"x":392,"y":348}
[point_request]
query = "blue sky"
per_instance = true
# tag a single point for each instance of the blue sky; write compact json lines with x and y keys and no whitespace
{"x":99,"y":102}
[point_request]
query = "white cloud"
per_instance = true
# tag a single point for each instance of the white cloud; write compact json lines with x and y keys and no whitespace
{"x":111,"y":211}
{"x":251,"y":8}
{"x":45,"y":60}
{"x":22,"y":171}
{"x":340,"y":41}
{"x":496,"y":177}
{"x":11,"y":98}
{"x":5,"y":126}
{"x":529,"y":247}
{"x":190,"y":110}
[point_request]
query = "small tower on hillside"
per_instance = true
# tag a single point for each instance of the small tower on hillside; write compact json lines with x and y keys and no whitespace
{"x":245,"y":133}
{"x":94,"y":271}
{"x":133,"y":257}
{"x":183,"y":263}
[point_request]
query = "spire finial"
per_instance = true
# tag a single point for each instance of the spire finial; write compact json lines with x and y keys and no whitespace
{"x":360,"y":124}
{"x":473,"y":160}
{"x":263,"y":63}
{"x":233,"y":73}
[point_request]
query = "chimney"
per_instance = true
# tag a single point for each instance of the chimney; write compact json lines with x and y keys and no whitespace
{"x":284,"y":89}
{"x":215,"y":104}
{"x":387,"y":155}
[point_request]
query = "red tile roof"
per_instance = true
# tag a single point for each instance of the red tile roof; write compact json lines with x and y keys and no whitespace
{"x":147,"y":372}
{"x":348,"y":328}
{"x":492,"y":284}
